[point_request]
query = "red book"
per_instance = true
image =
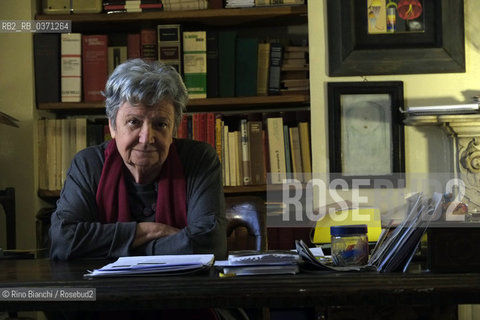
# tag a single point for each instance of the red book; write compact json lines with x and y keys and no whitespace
{"x":199,"y":124}
{"x":133,"y":46}
{"x":196,"y":126}
{"x":203,"y":127}
{"x":95,"y":70}
{"x":210,"y":134}
{"x":182,"y":131}
{"x":148,"y":44}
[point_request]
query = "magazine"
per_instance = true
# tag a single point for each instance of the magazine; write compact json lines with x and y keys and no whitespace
{"x":397,"y":244}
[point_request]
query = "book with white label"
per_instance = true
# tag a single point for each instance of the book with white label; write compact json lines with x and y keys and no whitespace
{"x":71,"y":67}
{"x":195,"y":63}
{"x":276,"y":146}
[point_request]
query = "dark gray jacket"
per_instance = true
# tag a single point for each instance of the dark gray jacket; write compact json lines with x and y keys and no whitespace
{"x":77,"y":233}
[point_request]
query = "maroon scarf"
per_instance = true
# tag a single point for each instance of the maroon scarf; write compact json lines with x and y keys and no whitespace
{"x":112,"y":195}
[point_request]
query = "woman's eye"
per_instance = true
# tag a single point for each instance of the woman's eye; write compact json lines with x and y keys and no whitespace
{"x":133,"y":122}
{"x":162,"y":125}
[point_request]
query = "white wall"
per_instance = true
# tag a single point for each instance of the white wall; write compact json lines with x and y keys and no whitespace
{"x":427,"y":149}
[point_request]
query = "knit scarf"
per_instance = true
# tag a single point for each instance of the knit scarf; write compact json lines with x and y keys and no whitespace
{"x":112,"y":195}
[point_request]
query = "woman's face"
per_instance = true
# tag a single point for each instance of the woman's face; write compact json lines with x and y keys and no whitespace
{"x":143,"y":136}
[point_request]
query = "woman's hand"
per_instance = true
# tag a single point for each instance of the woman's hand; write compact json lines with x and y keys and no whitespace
{"x":147,"y":231}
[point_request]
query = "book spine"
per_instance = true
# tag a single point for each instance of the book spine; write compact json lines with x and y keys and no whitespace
{"x":94,"y":53}
{"x":276,"y":149}
{"x":233,"y":147}
{"x":296,"y":154}
{"x":288,"y":159}
{"x":304,"y":133}
{"x":226,"y":156}
{"x":262,"y":68}
{"x":80,"y":134}
{"x":257,"y":161}
{"x":211,"y":129}
{"x":133,"y":46}
{"x":148,"y":44}
{"x":169,"y":45}
{"x":47,"y":67}
{"x":182,"y":127}
{"x":71,"y":67}
{"x":212,"y":64}
{"x":246,"y":163}
{"x":226,"y":63}
{"x":246,"y":67}
{"x":275,"y":69}
{"x":116,"y":56}
{"x":195,"y":63}
{"x":219,"y":137}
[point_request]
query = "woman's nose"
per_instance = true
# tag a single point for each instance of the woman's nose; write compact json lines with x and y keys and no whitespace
{"x":146,"y":134}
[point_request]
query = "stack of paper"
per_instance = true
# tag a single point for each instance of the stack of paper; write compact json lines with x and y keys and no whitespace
{"x":397,"y":244}
{"x":148,"y":265}
{"x":248,"y":262}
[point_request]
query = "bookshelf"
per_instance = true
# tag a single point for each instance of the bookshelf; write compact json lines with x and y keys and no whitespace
{"x":258,"y":18}
{"x":199,"y":105}
{"x":272,"y":15}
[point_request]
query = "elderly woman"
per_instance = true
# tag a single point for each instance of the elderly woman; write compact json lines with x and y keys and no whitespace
{"x":143,"y":192}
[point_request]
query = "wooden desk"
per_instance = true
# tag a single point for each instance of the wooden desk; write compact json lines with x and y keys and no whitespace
{"x":208,"y":290}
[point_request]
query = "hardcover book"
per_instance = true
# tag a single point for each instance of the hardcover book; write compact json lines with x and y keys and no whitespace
{"x":257,"y":151}
{"x":212,"y":64}
{"x":195,"y":63}
{"x":246,"y":67}
{"x":94,"y":65}
{"x":276,"y":51}
{"x":47,"y":67}
{"x":169,"y":45}
{"x":263,"y":68}
{"x":226,"y":62}
{"x":276,"y":147}
{"x":71,"y":67}
{"x":148,"y":44}
{"x":133,"y":46}
{"x":304,"y":133}
{"x":245,"y":146}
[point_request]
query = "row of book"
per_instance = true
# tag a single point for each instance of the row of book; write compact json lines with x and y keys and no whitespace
{"x":74,"y":67}
{"x":59,"y":140}
{"x":248,"y":148}
{"x":128,"y":6}
{"x":260,"y":3}
{"x":254,"y":150}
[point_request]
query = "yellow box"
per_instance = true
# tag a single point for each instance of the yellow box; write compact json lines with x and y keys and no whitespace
{"x":369,"y":216}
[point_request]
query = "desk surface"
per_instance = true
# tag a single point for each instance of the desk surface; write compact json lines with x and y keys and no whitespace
{"x":209,"y":290}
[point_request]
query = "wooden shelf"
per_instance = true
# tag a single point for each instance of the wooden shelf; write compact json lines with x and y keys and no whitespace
{"x":212,"y":17}
{"x":199,"y":105}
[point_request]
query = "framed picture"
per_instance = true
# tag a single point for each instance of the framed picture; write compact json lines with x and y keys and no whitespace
{"x":379,"y":37}
{"x":366,"y":133}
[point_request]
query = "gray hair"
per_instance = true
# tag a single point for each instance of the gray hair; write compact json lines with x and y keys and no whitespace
{"x":139,"y":81}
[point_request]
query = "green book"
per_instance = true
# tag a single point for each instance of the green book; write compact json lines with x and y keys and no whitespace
{"x":246,"y":67}
{"x":195,"y":63}
{"x":226,"y":63}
